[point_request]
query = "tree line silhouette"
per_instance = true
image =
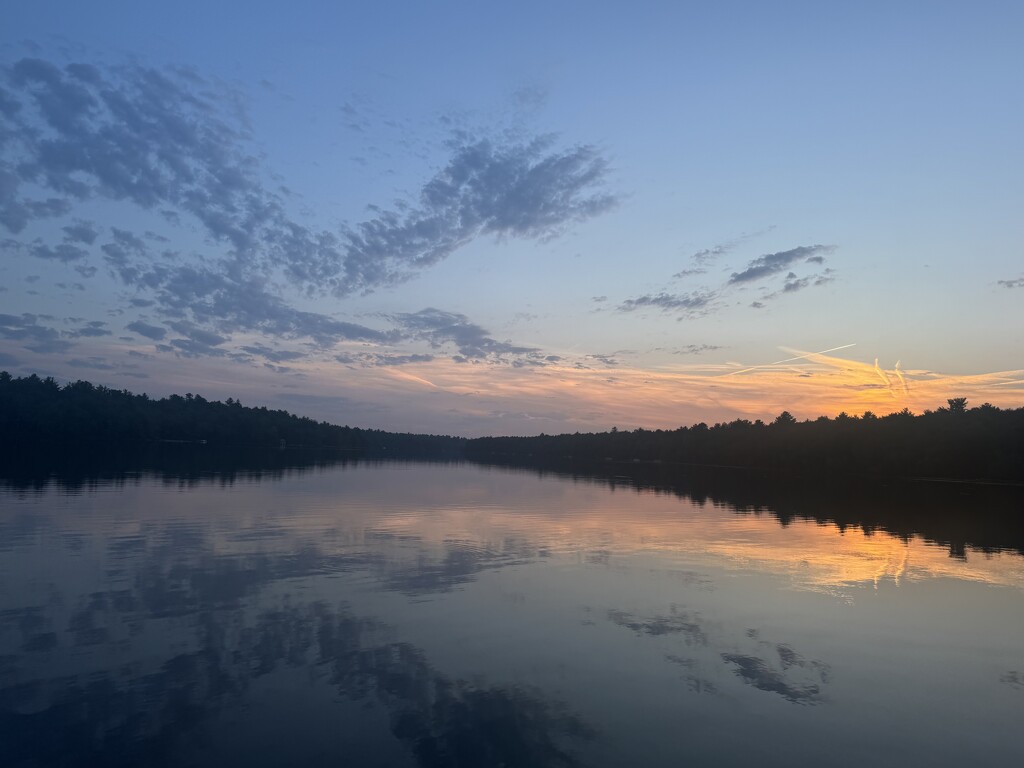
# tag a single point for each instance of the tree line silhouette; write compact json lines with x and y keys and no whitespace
{"x":34,"y":410}
{"x":955,"y":441}
{"x":951,"y":442}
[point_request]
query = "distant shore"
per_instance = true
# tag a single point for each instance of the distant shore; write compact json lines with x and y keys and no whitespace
{"x":955,"y":443}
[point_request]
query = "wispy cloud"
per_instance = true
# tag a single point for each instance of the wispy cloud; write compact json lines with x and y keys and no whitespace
{"x":440,"y":328}
{"x":93,"y":328}
{"x":700,"y":302}
{"x":162,"y":140}
{"x":700,"y":260}
{"x":173,"y":143}
{"x":28,"y":332}
{"x":695,"y":303}
{"x":794,"y":283}
{"x":154,"y":332}
{"x":772,"y":263}
{"x":807,"y":384}
{"x":529,"y":190}
{"x":696,"y":349}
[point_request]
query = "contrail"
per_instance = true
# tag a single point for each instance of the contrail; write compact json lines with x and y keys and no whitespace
{"x":410,"y":377}
{"x":884,"y":377}
{"x":788,"y":360}
{"x":903,"y":381}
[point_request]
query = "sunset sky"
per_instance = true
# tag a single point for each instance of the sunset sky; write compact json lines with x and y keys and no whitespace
{"x":473,"y":218}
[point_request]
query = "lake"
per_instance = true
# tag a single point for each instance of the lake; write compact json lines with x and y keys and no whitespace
{"x":400,"y":613}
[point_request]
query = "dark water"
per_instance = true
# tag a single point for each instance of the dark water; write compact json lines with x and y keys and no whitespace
{"x":298,"y":612}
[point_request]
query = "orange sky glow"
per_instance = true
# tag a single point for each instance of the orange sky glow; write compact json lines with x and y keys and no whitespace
{"x":596,"y":399}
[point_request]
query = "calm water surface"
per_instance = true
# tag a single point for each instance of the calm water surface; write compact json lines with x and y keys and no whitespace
{"x":415,"y":614}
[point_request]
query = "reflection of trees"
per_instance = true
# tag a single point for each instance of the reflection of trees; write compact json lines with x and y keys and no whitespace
{"x":35,"y":467}
{"x":954,"y":515}
{"x":957,"y":516}
{"x":140,"y":717}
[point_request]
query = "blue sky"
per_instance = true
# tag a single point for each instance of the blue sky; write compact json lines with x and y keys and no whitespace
{"x":471,"y":218}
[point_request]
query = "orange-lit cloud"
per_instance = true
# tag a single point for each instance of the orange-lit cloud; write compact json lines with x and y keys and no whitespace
{"x":808,"y":385}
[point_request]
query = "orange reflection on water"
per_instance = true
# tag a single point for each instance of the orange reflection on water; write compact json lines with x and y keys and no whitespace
{"x":595,"y":526}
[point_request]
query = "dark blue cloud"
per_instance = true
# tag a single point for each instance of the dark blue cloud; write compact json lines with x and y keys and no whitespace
{"x":794,"y":283}
{"x":773,"y":263}
{"x":80,"y":232}
{"x":93,"y":363}
{"x":162,"y":140}
{"x":93,"y":329}
{"x":529,"y":190}
{"x":694,"y":303}
{"x":177,"y":144}
{"x":61,"y":252}
{"x":439,"y":328}
{"x":274,"y":355}
{"x":700,"y":302}
{"x":154,"y":332}
{"x":27,"y":331}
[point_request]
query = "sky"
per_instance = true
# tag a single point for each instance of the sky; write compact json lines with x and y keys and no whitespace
{"x":479,"y":218}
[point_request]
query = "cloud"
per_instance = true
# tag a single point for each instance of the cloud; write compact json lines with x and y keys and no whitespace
{"x":694,"y":303}
{"x":439,"y":328}
{"x":154,"y":332}
{"x":700,"y":302}
{"x":65,"y":252}
{"x":164,"y":141}
{"x":32,"y":336}
{"x":274,"y":355}
{"x":197,"y":334}
{"x":178,"y":145}
{"x":704,"y":257}
{"x":80,"y":232}
{"x":773,"y":263}
{"x":812,"y":385}
{"x":93,"y":363}
{"x":529,"y":190}
{"x":229,"y":304}
{"x":195,"y":348}
{"x":793,"y":283}
{"x":388,"y":360}
{"x":132,"y":133}
{"x":93,"y":329}
{"x":6,"y":359}
{"x":696,"y":349}
{"x":1017,"y":283}
{"x":609,"y":361}
{"x":126,"y":254}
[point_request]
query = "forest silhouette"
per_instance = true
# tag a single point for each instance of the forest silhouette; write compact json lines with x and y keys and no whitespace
{"x":953,"y":442}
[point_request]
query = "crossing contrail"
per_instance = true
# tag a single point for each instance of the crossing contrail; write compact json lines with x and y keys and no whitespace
{"x":788,"y":360}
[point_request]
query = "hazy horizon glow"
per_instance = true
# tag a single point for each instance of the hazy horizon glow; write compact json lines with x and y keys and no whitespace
{"x":468,"y":220}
